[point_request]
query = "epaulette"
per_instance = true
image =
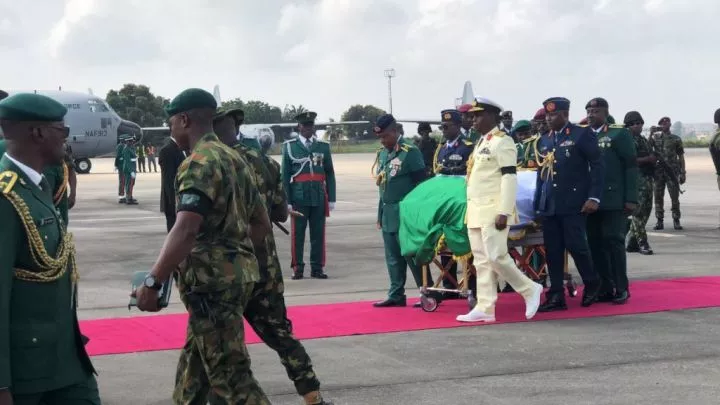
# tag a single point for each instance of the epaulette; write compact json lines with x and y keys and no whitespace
{"x":7,"y":181}
{"x":468,"y":142}
{"x":291,"y":140}
{"x":500,"y":134}
{"x":405,"y":147}
{"x":616,"y":126}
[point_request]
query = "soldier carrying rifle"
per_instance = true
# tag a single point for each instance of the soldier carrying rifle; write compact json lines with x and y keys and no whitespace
{"x":670,"y":171}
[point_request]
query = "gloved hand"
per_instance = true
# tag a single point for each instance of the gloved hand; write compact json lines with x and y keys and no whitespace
{"x":331,"y":205}
{"x":290,"y":207}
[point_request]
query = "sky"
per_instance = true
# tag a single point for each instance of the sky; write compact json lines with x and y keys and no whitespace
{"x":655,"y":56}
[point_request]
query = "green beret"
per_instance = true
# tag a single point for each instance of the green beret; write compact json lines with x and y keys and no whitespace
{"x":522,"y":125}
{"x":190,"y":99}
{"x":31,"y":107}
{"x":236,"y":113}
{"x":307,"y":117}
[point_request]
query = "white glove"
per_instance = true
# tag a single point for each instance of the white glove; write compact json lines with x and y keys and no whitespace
{"x":132,"y":175}
{"x":290,"y":207}
{"x":332,"y":206}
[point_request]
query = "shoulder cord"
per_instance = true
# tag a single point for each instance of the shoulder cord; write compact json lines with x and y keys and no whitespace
{"x":63,"y":185}
{"x":52,"y":268}
{"x":545,"y":162}
{"x":303,"y":162}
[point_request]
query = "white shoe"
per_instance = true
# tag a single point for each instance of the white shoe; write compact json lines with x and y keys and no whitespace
{"x":475,"y":316}
{"x":532,"y":303}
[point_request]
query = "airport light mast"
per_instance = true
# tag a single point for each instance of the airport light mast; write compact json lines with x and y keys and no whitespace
{"x":390,"y":73}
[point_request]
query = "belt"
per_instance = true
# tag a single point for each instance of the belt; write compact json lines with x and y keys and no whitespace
{"x":305,"y":177}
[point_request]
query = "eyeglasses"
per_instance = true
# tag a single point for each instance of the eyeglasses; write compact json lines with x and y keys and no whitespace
{"x":63,"y":129}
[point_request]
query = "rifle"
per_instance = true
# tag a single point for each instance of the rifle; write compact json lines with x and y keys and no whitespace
{"x":669,"y":172}
{"x":282,"y":228}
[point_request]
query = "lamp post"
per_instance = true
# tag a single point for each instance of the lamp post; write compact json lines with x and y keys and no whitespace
{"x":390,"y":73}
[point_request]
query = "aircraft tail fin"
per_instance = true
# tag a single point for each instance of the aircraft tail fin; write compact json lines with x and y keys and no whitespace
{"x":90,"y":92}
{"x":467,"y":95}
{"x":216,"y":94}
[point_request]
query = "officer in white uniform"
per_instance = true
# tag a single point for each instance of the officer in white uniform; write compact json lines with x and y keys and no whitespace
{"x":491,"y":194}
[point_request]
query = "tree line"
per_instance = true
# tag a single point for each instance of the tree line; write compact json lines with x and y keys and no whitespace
{"x":136,"y":103}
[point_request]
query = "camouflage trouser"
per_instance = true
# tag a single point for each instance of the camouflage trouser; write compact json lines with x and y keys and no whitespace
{"x":661,"y":181}
{"x":214,"y":365}
{"x":267,"y":314}
{"x":642,"y":212}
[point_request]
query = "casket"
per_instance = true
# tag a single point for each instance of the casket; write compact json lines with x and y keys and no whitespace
{"x":432,"y":216}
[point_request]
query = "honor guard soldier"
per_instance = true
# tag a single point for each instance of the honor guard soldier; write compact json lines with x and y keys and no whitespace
{"x":451,"y":159}
{"x":569,"y":186}
{"x":129,"y":168}
{"x":221,"y":223}
{"x":119,"y":150}
{"x":637,"y":238}
{"x":309,"y":179}
{"x":427,"y":145}
{"x":266,"y":312}
{"x":491,"y":192}
{"x":525,"y":144}
{"x":670,"y":172}
{"x":607,"y":227}
{"x":715,"y":149}
{"x":398,"y":169}
{"x":42,"y":353}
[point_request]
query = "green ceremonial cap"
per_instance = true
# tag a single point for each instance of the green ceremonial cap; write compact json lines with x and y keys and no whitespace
{"x":307,"y":117}
{"x":31,"y":107}
{"x":522,"y":125}
{"x":190,"y":99}
{"x":236,"y":113}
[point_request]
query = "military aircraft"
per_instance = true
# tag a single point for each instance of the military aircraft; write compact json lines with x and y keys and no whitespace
{"x":94,"y":126}
{"x":467,"y":97}
{"x":257,"y":130}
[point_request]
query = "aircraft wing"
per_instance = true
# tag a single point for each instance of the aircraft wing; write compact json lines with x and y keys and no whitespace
{"x":431,"y":122}
{"x":294,"y":124}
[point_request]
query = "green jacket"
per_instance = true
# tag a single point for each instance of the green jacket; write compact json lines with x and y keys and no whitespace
{"x":41,"y":348}
{"x":621,"y":171}
{"x":129,"y":161}
{"x":308,"y":174}
{"x":398,"y":171}
{"x":119,"y":157}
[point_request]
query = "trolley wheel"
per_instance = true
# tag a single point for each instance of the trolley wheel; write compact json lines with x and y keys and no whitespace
{"x":429,"y":304}
{"x":472,"y":302}
{"x":572,"y":288}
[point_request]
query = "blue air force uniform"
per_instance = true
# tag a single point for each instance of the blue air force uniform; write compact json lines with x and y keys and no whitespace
{"x":451,"y":159}
{"x":571,"y":173}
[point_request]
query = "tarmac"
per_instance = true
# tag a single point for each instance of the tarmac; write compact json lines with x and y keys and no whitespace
{"x":662,"y":358}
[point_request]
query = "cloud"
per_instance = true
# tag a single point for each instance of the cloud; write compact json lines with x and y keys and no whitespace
{"x":656,"y":56}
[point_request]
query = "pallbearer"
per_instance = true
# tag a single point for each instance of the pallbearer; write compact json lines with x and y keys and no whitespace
{"x":492,"y":187}
{"x":309,"y":178}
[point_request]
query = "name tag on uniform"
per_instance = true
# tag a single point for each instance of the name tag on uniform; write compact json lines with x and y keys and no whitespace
{"x":45,"y":221}
{"x":567,"y":143}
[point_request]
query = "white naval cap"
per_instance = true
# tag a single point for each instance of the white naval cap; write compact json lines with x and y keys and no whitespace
{"x":482,"y":104}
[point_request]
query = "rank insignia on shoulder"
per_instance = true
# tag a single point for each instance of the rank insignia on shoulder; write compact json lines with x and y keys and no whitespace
{"x":291,"y":140}
{"x":405,"y":148}
{"x":7,"y":181}
{"x":467,"y":142}
{"x":616,"y":126}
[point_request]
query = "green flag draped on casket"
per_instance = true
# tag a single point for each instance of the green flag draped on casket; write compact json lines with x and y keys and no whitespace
{"x":432,"y":214}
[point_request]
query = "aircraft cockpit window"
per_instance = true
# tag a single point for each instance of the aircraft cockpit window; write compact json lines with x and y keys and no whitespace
{"x":97,"y":106}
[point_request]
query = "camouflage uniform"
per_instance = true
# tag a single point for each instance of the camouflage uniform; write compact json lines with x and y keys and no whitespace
{"x":670,"y":148}
{"x":217,"y":280}
{"x":266,"y":312}
{"x":640,"y":217}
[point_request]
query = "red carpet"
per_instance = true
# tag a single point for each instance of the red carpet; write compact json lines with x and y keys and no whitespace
{"x":167,"y":332}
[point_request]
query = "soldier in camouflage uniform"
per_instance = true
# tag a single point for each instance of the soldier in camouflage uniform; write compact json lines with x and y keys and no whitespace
{"x":221,"y":223}
{"x":637,"y":238}
{"x":266,"y":312}
{"x":668,"y":147}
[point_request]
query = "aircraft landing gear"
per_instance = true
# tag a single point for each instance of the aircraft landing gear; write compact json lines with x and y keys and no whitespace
{"x":83,"y":166}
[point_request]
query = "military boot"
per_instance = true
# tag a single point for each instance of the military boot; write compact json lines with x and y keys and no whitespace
{"x":645,"y":248}
{"x":632,"y":245}
{"x":660,"y":225}
{"x":676,"y":224}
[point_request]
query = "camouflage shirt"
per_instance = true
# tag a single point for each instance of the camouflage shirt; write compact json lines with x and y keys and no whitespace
{"x":669,"y":147}
{"x":271,"y":189}
{"x":642,"y":147}
{"x":223,"y":254}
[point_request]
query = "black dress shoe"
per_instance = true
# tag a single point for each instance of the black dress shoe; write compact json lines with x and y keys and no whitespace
{"x":298,"y":275}
{"x":621,"y":298}
{"x":554,"y":302}
{"x":318,"y":274}
{"x":390,"y":303}
{"x":607,"y":296}
{"x":591,"y":292}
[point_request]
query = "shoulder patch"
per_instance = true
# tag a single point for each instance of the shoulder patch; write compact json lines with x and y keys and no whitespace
{"x":7,"y":181}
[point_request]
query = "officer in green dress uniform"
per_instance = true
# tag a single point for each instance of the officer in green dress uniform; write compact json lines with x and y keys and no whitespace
{"x":119,"y":167}
{"x":309,"y":178}
{"x":606,"y":228}
{"x":129,"y":168}
{"x":42,"y":353}
{"x":524,"y":144}
{"x":399,"y":169}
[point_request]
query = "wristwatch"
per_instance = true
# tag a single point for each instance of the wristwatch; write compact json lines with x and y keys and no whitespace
{"x":152,"y":282}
